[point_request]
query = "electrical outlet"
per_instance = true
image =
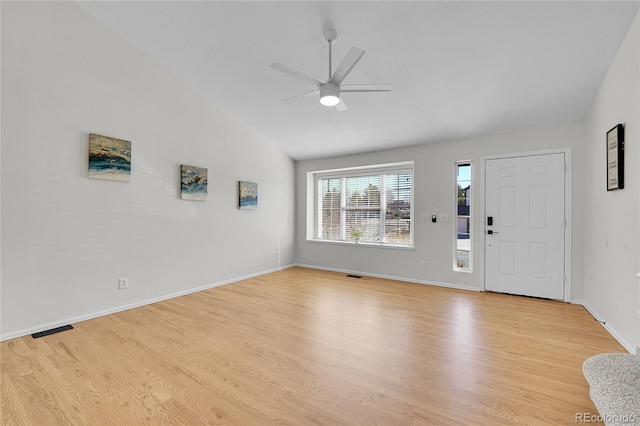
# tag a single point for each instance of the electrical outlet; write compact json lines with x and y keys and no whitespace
{"x":444,"y":218}
{"x":123,"y":283}
{"x":424,"y":264}
{"x":425,"y":217}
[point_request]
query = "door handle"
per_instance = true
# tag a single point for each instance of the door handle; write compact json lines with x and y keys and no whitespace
{"x":490,"y":232}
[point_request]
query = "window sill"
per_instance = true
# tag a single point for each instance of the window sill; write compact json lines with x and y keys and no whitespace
{"x":362,"y":244}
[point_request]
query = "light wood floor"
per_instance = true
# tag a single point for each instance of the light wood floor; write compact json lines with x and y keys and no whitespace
{"x":303,"y":347}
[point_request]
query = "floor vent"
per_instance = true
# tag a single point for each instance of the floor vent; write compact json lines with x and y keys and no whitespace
{"x":52,"y":331}
{"x":354,"y":276}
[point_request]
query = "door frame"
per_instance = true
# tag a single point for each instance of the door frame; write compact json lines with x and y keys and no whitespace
{"x":567,"y":209}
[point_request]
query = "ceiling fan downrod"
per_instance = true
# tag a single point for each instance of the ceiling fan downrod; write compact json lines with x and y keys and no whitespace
{"x":330,"y":36}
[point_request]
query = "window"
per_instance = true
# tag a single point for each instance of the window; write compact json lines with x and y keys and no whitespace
{"x":462,"y":258}
{"x":369,"y":205}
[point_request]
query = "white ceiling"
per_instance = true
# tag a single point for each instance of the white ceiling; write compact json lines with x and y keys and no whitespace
{"x":458,"y":69}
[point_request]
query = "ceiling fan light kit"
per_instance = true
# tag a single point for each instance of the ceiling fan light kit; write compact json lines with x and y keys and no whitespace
{"x":330,"y":90}
{"x":329,"y":94}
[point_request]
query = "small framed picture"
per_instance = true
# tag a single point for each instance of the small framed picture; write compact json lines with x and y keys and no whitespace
{"x":193,"y":182}
{"x":109,"y":158}
{"x":615,"y":158}
{"x":247,"y":195}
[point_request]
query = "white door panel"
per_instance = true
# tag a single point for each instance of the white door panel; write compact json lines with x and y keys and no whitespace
{"x":524,"y":250}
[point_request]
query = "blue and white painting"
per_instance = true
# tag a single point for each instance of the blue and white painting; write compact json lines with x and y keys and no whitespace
{"x":248,"y":195}
{"x":193,"y":182}
{"x":109,"y":158}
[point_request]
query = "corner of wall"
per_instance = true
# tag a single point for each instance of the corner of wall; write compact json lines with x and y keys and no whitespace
{"x":610,"y":230}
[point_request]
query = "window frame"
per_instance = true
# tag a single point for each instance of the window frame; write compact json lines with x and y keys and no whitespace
{"x":314,"y":233}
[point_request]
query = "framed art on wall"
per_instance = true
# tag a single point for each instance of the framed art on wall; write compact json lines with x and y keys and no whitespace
{"x":193,"y":182}
{"x":247,"y":195}
{"x":109,"y":158}
{"x":615,"y":158}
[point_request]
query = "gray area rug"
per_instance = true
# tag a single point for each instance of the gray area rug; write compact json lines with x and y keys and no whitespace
{"x":615,"y":387}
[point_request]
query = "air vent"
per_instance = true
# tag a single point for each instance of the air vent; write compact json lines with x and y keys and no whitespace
{"x":52,"y":331}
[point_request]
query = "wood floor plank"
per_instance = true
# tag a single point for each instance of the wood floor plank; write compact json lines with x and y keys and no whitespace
{"x":302,"y":347}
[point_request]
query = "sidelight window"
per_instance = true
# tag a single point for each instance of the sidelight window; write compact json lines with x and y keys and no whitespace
{"x":463,"y":247}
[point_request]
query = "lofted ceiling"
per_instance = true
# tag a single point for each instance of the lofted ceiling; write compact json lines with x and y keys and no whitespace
{"x":458,"y":69}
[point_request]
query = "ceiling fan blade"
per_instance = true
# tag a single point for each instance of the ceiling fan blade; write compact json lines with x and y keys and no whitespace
{"x":293,"y":73}
{"x":347,"y":88}
{"x":346,"y":65}
{"x":341,"y":106}
{"x":302,"y":96}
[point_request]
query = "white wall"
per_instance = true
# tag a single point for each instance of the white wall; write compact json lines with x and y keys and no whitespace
{"x":434,"y":193}
{"x":611,"y":228}
{"x":66,"y":239}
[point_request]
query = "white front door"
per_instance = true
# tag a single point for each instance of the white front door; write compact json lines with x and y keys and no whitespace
{"x":525,"y":225}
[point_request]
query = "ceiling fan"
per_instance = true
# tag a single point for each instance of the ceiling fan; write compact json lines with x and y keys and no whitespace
{"x":330,"y":90}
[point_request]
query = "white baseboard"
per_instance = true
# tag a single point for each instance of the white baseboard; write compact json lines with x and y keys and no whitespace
{"x":80,"y":318}
{"x":389,"y":277}
{"x":628,"y":346}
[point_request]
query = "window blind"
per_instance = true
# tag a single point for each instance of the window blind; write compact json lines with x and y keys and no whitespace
{"x":372,"y":206}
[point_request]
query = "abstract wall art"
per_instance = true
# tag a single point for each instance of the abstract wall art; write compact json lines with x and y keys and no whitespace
{"x":248,"y":195}
{"x":109,"y":158}
{"x":193,"y":182}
